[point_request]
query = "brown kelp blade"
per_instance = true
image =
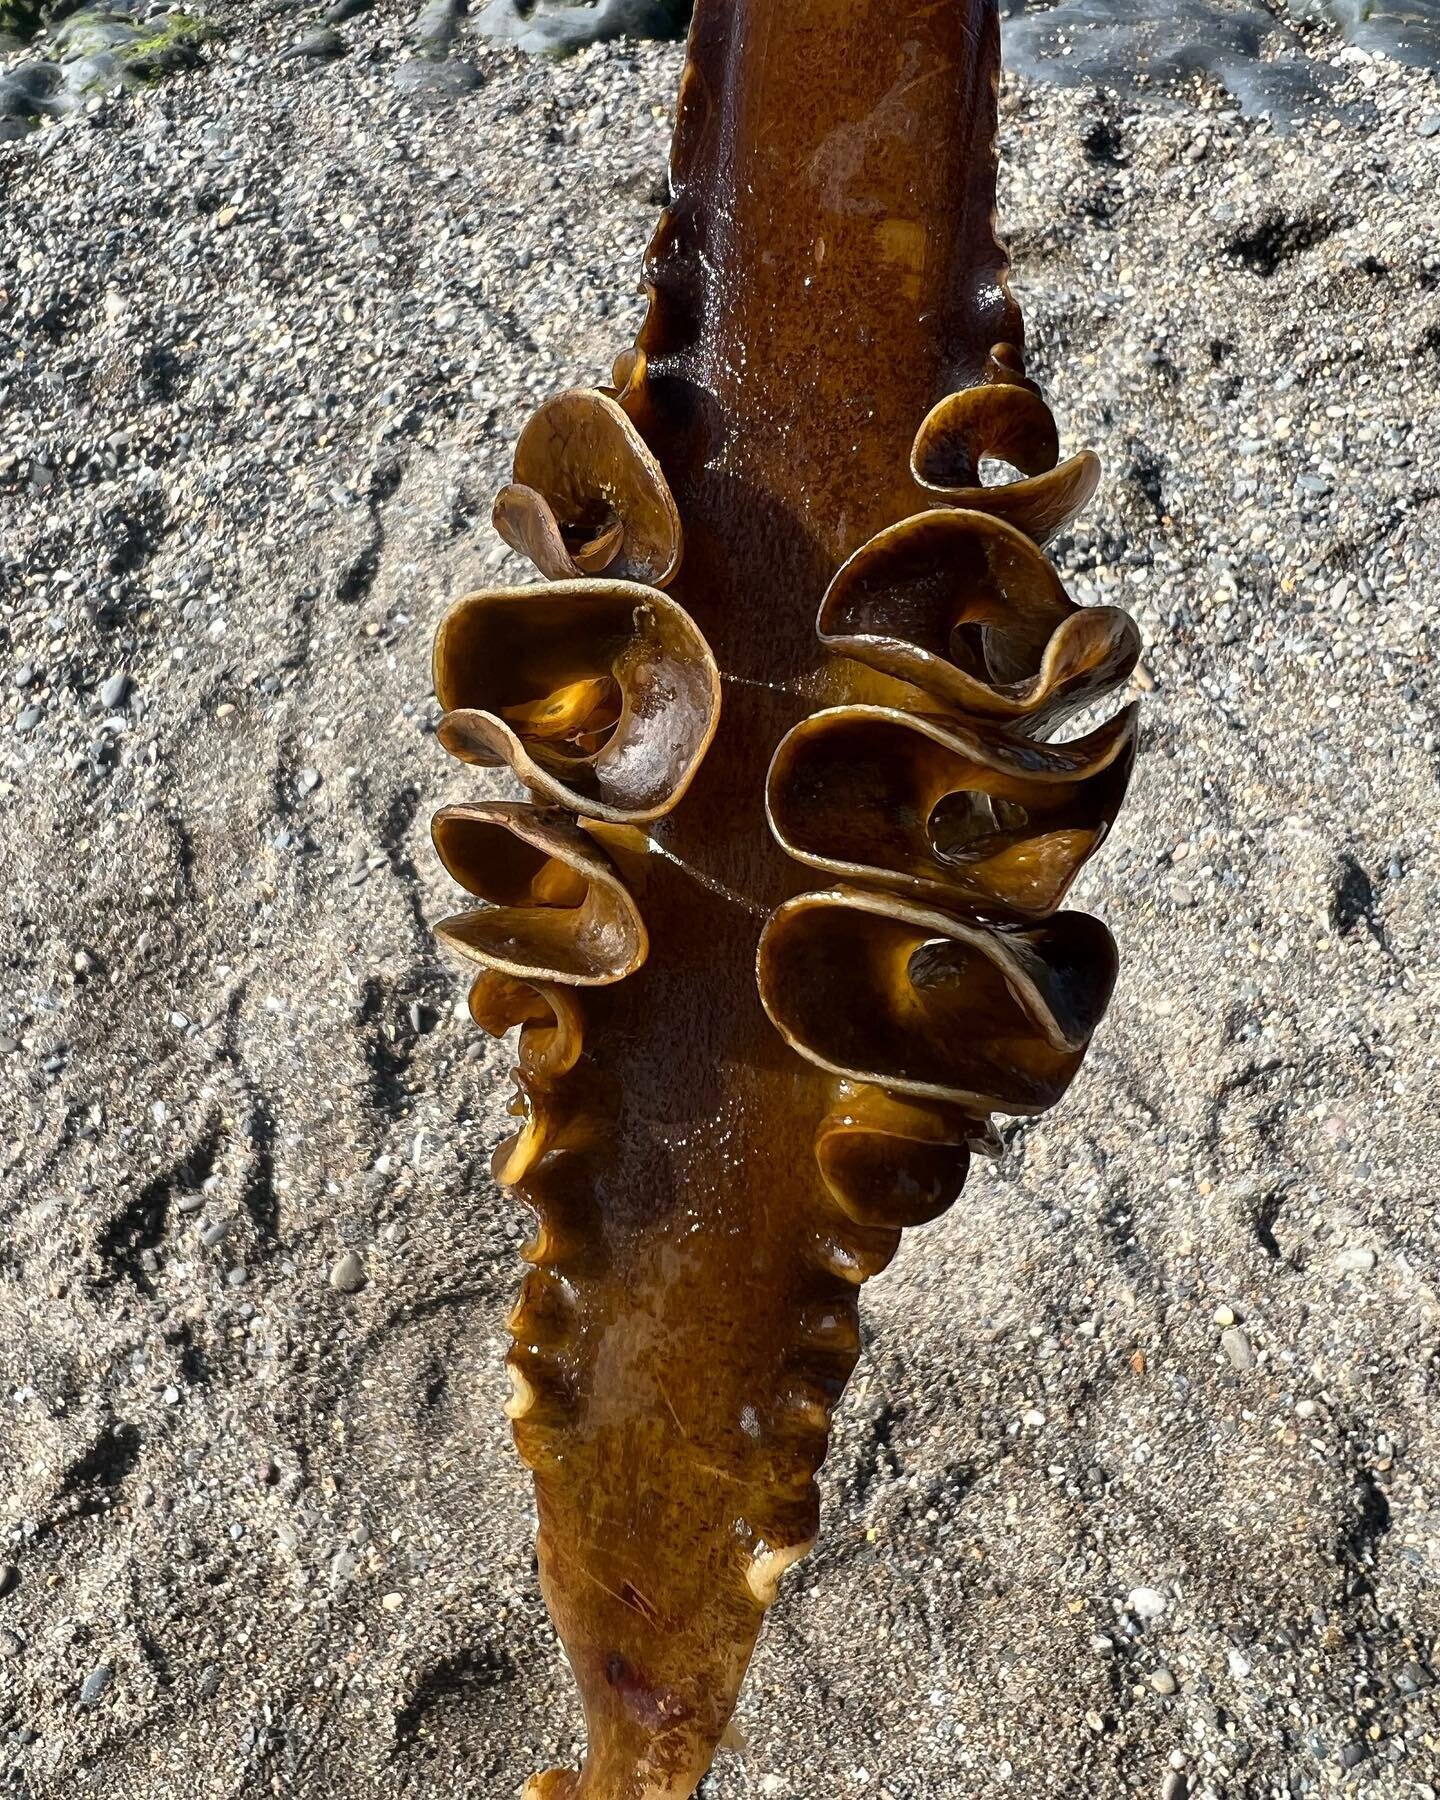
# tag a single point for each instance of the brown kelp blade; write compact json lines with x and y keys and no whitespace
{"x":722,"y":1146}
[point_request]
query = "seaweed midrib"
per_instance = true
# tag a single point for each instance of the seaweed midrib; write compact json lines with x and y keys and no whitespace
{"x":790,"y":364}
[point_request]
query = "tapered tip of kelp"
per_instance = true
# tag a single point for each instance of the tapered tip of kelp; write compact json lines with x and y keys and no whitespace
{"x":602,"y":696}
{"x":587,"y":496}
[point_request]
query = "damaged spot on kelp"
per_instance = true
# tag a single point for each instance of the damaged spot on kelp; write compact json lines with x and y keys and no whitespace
{"x":656,"y":1708}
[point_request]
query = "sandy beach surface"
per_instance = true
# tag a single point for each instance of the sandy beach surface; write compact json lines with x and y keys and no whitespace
{"x":1137,"y":1489}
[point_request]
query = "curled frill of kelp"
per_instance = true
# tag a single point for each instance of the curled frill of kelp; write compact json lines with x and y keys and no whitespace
{"x":600,"y":694}
{"x":1005,"y":418}
{"x":587,"y":496}
{"x":936,"y":981}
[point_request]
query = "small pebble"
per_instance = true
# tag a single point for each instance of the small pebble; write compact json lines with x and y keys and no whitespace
{"x":1163,"y":1682}
{"x":1146,"y":1603}
{"x":115,"y":692}
{"x":1430,"y":125}
{"x":216,"y":1232}
{"x":11,"y":1644}
{"x":1174,"y":1786}
{"x":348,"y":1274}
{"x":1237,"y":1347}
{"x":96,"y":1685}
{"x":9,"y":1578}
{"x":1357,"y":1261}
{"x":1224,"y":1315}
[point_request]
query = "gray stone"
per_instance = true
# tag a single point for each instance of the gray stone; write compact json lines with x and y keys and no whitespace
{"x":422,"y":79}
{"x":1146,"y":1602}
{"x":348,"y":1274}
{"x":436,"y":26}
{"x":560,"y":25}
{"x":1236,"y":1345}
{"x":320,"y":44}
{"x":96,"y":1685}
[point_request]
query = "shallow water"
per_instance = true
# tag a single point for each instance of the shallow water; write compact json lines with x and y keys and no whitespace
{"x":1270,"y":56}
{"x":559,"y":25}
